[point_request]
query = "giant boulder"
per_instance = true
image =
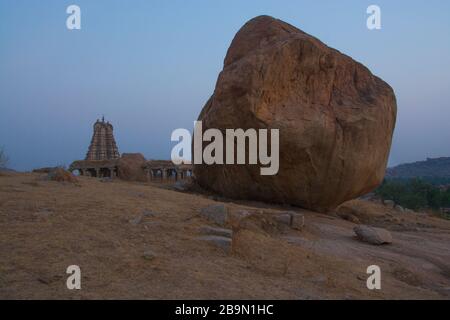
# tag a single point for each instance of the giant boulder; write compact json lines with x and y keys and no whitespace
{"x":336,"y":119}
{"x":130,"y":167}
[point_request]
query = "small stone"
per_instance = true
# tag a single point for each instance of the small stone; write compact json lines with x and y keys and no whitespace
{"x":149,"y":255}
{"x":216,"y":213}
{"x":220,"y":242}
{"x":181,"y":186}
{"x":297,"y":220}
{"x":148,"y":213}
{"x":136,"y":220}
{"x":376,"y":236}
{"x":243,"y":214}
{"x":239,"y":215}
{"x":43,"y":213}
{"x":297,"y":240}
{"x":399,"y":208}
{"x":216,"y":231}
{"x":389,"y":203}
{"x":349,"y":217}
{"x":283,"y":219}
{"x":43,"y":280}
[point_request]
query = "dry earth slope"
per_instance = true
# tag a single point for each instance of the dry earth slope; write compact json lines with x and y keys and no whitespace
{"x":134,"y":240}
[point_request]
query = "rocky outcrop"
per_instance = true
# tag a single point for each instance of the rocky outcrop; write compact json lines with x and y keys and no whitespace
{"x":130,"y":167}
{"x":217,"y":213}
{"x":376,"y":236}
{"x":61,"y":175}
{"x":336,"y":119}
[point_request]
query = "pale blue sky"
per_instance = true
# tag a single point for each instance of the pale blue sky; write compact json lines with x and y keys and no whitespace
{"x":149,"y":67}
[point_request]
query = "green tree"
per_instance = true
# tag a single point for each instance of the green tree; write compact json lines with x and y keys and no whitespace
{"x":3,"y":158}
{"x":414,"y":194}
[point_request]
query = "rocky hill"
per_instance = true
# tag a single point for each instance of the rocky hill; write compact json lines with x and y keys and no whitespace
{"x":430,"y":168}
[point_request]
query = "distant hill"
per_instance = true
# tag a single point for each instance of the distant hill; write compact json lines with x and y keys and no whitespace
{"x":436,"y":170}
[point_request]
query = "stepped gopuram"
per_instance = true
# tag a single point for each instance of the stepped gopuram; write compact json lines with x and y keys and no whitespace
{"x":103,"y":146}
{"x":102,"y":156}
{"x":104,"y":161}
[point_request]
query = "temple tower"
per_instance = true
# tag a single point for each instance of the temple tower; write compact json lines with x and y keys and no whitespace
{"x":103,"y":145}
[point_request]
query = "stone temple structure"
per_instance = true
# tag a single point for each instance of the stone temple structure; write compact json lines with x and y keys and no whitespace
{"x":104,"y":161}
{"x":103,"y":145}
{"x":102,"y":156}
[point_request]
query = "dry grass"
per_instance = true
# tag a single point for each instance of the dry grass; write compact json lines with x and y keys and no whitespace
{"x":47,"y":226}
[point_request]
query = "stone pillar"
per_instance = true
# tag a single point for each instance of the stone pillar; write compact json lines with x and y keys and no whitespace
{"x":112,"y":173}
{"x":163,"y":174}
{"x":97,"y":172}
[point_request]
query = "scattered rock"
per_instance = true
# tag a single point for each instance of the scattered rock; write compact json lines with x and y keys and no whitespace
{"x":216,"y":213}
{"x":43,"y":213}
{"x":297,"y":241}
{"x":284,"y":219}
{"x":61,"y":175}
{"x":330,"y":110}
{"x":399,"y":208}
{"x":216,"y":231}
{"x":389,"y":203}
{"x":222,"y":242}
{"x":181,"y":186}
{"x":297,"y":221}
{"x":106,"y":179}
{"x":241,"y":214}
{"x":349,"y":217}
{"x":130,"y":167}
{"x":291,"y":219}
{"x":149,"y":255}
{"x":148,"y":213}
{"x":136,"y":220}
{"x":373,"y":235}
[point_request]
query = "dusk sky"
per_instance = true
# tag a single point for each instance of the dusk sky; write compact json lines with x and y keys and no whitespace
{"x":150,"y":66}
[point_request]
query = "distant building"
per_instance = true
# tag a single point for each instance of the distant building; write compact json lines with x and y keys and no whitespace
{"x":102,"y":156}
{"x":103,"y":160}
{"x":103,"y":145}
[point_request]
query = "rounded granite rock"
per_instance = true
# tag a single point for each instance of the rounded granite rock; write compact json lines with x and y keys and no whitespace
{"x":335,"y":118}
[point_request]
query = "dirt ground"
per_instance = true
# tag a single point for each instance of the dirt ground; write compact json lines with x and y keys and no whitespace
{"x":45,"y":226}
